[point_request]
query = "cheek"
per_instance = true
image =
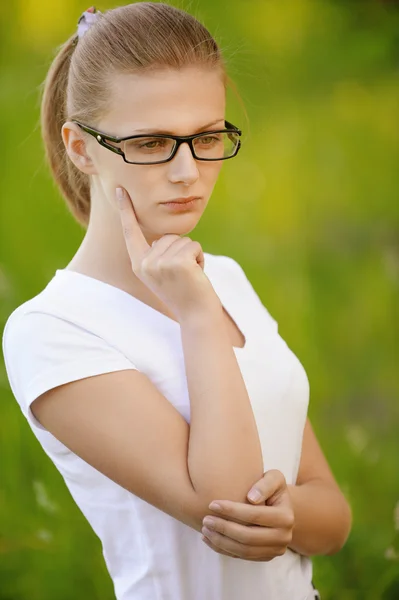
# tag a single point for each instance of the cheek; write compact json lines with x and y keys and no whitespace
{"x":114,"y":171}
{"x":209,"y":174}
{"x":214,"y":168}
{"x":112,"y":168}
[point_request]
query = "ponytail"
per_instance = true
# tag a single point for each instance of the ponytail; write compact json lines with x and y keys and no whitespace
{"x":135,"y":38}
{"x":74,"y":184}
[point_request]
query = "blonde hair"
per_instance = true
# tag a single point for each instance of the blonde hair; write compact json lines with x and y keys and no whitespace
{"x":134,"y":38}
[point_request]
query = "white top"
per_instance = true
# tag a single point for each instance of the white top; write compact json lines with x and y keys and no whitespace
{"x":78,"y":327}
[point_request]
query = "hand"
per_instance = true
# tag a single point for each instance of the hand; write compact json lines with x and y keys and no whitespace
{"x":257,"y":533}
{"x":173,"y":267}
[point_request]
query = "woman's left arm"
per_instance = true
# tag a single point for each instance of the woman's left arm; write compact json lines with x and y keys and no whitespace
{"x":321,"y":520}
{"x":323,"y":517}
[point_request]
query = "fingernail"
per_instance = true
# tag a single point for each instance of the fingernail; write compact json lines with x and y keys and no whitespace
{"x":119,"y":195}
{"x":209,"y":522}
{"x":214,"y":506}
{"x":254,"y":495}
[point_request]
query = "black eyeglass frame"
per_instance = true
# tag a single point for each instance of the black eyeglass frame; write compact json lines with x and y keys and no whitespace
{"x":102,"y":138}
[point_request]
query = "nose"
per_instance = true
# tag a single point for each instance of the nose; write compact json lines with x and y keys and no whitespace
{"x":183,"y":166}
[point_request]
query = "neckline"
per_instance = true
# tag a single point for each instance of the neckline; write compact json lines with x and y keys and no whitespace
{"x":161,"y":317}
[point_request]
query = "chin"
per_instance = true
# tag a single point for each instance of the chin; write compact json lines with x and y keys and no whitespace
{"x":179,"y":224}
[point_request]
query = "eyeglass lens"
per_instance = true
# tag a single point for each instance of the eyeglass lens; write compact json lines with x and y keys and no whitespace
{"x":146,"y":149}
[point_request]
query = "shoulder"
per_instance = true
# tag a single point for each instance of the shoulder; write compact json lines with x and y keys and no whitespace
{"x":219,"y":263}
{"x":228,"y":276}
{"x":26,"y":325}
{"x":34,"y":336}
{"x":43,"y":351}
{"x":29,"y":319}
{"x":226,"y":271}
{"x":12,"y":329}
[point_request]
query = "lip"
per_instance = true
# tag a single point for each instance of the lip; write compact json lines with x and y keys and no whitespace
{"x":182,"y":205}
{"x":181,"y":200}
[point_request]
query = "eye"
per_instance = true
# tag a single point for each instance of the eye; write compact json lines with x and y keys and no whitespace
{"x":208,"y":140}
{"x":149,"y":146}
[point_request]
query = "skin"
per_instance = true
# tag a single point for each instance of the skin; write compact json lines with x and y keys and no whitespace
{"x":179,"y":102}
{"x":314,"y":516}
{"x":310,"y":517}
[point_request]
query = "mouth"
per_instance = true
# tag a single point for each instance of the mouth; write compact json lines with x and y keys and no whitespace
{"x":181,"y":200}
{"x":182,"y":204}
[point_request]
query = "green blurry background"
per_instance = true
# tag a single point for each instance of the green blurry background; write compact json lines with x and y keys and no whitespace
{"x":309,"y":208}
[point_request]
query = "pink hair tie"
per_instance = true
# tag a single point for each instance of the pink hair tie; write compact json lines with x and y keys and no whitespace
{"x":87,"y":19}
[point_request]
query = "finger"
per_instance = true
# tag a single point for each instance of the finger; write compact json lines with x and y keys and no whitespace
{"x":265,"y":516}
{"x":194,"y":251}
{"x":185,"y":247}
{"x":220,"y":551}
{"x":223,"y":543}
{"x":172,"y":248}
{"x":250,"y":535}
{"x":269,"y":487}
{"x":136,"y":243}
{"x":161,"y":245}
{"x":216,"y":549}
{"x":199,"y":255}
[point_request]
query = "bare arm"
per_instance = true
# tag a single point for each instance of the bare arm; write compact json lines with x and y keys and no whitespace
{"x":323,"y":516}
{"x":223,"y":433}
{"x":124,"y":427}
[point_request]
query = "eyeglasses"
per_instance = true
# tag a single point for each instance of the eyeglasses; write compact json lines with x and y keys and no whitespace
{"x":152,"y":149}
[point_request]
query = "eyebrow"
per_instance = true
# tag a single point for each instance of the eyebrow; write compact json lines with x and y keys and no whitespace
{"x":166,"y":132}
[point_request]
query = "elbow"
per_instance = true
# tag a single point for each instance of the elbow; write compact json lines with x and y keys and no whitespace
{"x":233,"y":487}
{"x":201,"y":511}
{"x":203,"y":500}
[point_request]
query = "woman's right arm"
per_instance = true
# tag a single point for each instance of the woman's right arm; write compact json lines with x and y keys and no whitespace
{"x":122,"y":425}
{"x":224,"y":452}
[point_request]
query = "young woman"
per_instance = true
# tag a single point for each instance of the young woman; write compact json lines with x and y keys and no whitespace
{"x":148,"y":369}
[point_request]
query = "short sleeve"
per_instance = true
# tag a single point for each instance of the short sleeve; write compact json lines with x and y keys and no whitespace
{"x":249,"y":295}
{"x":42,"y":351}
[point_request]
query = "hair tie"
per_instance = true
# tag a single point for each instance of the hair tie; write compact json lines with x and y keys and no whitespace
{"x":86,"y":20}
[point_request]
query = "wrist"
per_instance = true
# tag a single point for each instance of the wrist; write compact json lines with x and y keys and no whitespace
{"x":207,"y":315}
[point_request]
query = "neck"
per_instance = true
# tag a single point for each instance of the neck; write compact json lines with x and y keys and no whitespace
{"x":103,"y":253}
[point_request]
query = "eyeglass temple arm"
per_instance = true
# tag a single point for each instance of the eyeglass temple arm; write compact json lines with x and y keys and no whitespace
{"x":100,"y":137}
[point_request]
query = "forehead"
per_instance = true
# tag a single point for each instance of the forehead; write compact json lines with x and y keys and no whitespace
{"x":178,"y":101}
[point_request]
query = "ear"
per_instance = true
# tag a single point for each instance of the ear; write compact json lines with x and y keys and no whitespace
{"x":77,"y":146}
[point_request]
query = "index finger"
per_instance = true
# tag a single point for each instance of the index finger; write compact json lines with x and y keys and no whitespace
{"x":265,"y":516}
{"x":136,"y":243}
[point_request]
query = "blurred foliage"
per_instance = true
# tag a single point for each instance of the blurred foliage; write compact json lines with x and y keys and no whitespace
{"x":310,"y":210}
